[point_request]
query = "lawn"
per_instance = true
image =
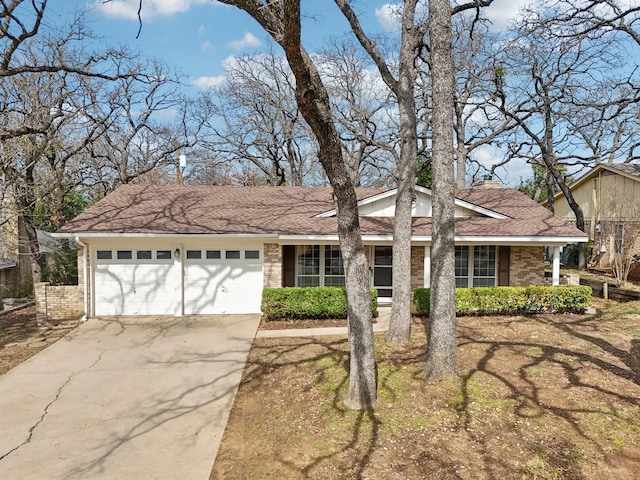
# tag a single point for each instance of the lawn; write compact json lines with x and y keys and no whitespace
{"x":539,"y":397}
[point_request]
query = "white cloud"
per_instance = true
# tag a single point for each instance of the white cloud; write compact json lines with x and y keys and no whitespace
{"x":202,"y":30}
{"x":502,"y":12}
{"x":205,"y":83}
{"x":128,"y":9}
{"x":388,"y":16}
{"x":249,"y":40}
{"x":206,"y":45}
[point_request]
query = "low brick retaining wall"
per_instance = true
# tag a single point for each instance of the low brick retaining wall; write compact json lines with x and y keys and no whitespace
{"x":57,"y":303}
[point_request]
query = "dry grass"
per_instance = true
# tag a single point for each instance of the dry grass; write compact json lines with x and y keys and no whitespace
{"x":539,"y":397}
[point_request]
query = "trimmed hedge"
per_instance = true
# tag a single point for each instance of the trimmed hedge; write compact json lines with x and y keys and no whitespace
{"x":308,"y":302}
{"x":512,"y":300}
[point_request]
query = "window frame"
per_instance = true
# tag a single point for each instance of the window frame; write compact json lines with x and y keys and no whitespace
{"x":473,"y":257}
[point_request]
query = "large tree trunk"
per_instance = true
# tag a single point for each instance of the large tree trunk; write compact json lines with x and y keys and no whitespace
{"x":441,"y":348}
{"x":282,"y":21}
{"x":313,"y":101}
{"x":400,"y":323}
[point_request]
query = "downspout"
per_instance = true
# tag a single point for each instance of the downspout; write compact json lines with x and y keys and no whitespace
{"x":85,"y":279}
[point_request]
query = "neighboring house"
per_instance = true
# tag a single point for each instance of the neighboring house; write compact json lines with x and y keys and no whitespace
{"x":609,"y":196}
{"x":15,"y":262}
{"x":212,"y":249}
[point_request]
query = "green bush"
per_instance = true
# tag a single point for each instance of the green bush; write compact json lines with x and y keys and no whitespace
{"x":511,"y":300}
{"x":308,"y":302}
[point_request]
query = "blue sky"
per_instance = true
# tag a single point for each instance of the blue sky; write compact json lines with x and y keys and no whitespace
{"x":196,"y":36}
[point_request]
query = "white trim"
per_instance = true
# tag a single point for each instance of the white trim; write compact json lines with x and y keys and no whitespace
{"x":364,"y":201}
{"x":85,"y":279}
{"x":92,"y":235}
{"x":459,"y":239}
{"x":555,"y":270}
{"x":389,"y":193}
{"x":426,"y":280}
{"x":508,"y":240}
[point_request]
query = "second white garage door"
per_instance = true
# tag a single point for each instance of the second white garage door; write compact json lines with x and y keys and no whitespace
{"x":222,"y":281}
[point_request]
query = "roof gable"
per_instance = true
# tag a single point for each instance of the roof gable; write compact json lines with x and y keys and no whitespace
{"x":627,"y":170}
{"x":384,"y":205}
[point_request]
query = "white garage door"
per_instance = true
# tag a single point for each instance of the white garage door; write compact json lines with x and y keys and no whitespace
{"x":151,"y":282}
{"x":136,"y":282}
{"x":222,"y":281}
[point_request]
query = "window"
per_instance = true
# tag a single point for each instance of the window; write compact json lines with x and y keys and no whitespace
{"x":483,"y":260}
{"x":213,"y":254}
{"x":124,"y":255}
{"x":484,"y":266}
{"x":318,"y":265}
{"x":462,"y":266}
{"x":251,"y":254}
{"x":194,"y":254}
{"x":143,"y":254}
{"x":104,"y":255}
{"x":163,"y":255}
{"x":333,"y":267}
{"x":308,"y":265}
{"x":232,"y":254}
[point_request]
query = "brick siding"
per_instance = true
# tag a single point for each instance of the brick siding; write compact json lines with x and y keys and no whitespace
{"x":417,"y":267}
{"x":57,"y":303}
{"x":272,"y":264}
{"x":527,"y":266}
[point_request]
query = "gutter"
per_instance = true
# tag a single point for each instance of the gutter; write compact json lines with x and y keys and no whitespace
{"x":85,"y":279}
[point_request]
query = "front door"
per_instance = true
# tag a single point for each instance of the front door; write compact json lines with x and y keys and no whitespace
{"x":382,"y":277}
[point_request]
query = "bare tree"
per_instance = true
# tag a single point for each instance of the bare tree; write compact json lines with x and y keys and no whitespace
{"x":149,"y":123}
{"x":478,"y":121}
{"x":597,"y":16}
{"x":257,"y":121}
{"x":553,"y":87}
{"x":365,"y":112}
{"x":441,"y":346}
{"x":403,"y":85}
{"x":282,"y":21}
{"x":43,"y":125}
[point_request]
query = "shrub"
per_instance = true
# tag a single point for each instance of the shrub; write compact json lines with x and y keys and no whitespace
{"x":511,"y":300}
{"x":308,"y":302}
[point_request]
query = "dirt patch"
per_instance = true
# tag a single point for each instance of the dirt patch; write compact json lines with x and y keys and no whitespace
{"x":548,"y":396}
{"x":21,"y":338}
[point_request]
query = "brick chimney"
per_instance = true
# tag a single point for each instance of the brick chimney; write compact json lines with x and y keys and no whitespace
{"x":486,"y":183}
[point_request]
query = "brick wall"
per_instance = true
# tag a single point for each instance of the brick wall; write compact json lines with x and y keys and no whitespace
{"x":272,"y":263}
{"x":417,"y":267}
{"x":527,"y":266}
{"x":57,"y":303}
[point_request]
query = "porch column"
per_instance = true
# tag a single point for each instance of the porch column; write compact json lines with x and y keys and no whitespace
{"x":427,"y":267}
{"x":555,"y":270}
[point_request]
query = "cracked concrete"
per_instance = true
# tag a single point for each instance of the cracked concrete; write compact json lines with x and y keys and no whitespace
{"x":143,"y":398}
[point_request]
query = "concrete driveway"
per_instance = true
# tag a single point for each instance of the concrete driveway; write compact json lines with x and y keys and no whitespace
{"x":144,"y":398}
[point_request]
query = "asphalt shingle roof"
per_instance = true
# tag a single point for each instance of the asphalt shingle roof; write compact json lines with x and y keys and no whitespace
{"x":143,"y":209}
